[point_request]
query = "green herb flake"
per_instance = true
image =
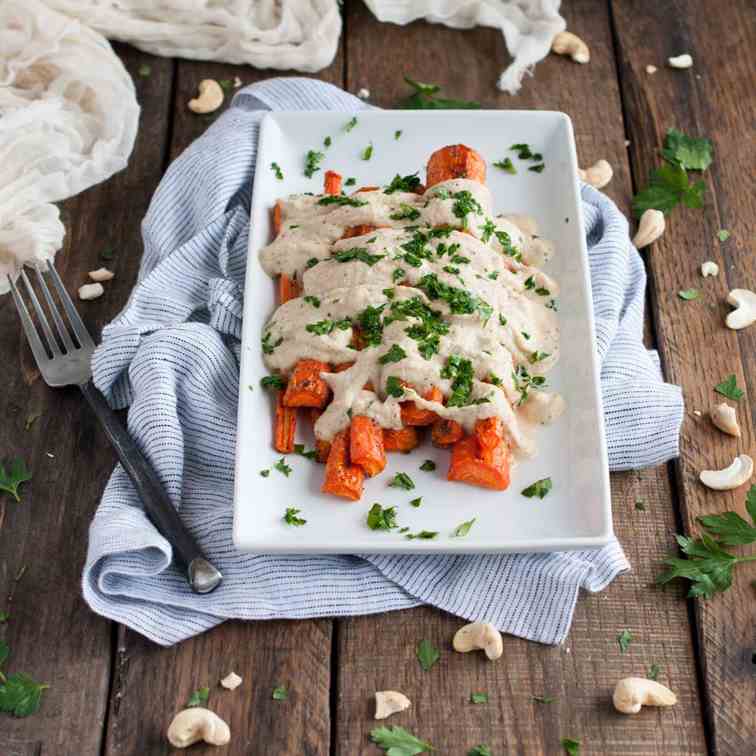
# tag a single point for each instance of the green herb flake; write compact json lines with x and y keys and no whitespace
{"x":380,"y":518}
{"x":12,"y":478}
{"x":20,"y":695}
{"x":290,"y":517}
{"x":416,"y":503}
{"x":397,"y":134}
{"x":327,"y":142}
{"x":280,"y":693}
{"x":273,"y":382}
{"x":395,"y":354}
{"x":107,"y":254}
{"x":314,"y":301}
{"x":723,"y":234}
{"x":399,"y":183}
{"x":428,"y":466}
{"x":360,"y":254}
{"x":276,"y":168}
{"x":544,"y":699}
{"x":540,"y":488}
{"x":463,"y":529}
{"x":423,"y":535}
{"x":427,"y":654}
{"x":350,"y":124}
{"x":729,"y":388}
{"x":396,"y":741}
{"x":405,"y":212}
{"x":523,"y":151}
{"x":402,"y":480}
{"x":264,"y":473}
{"x":571,"y":747}
{"x":424,"y":98}
{"x":653,"y":672}
{"x":668,"y":187}
{"x":480,"y":750}
{"x":4,"y":617}
{"x":688,"y":294}
{"x":394,"y":387}
{"x":479,"y":698}
{"x":691,"y":153}
{"x":313,"y":158}
{"x":341,"y":200}
{"x":198,"y":698}
{"x":351,"y":181}
{"x":144,"y":70}
{"x":624,"y":639}
{"x":506,"y":165}
{"x":367,"y":153}
{"x":282,"y":467}
{"x":640,"y":505}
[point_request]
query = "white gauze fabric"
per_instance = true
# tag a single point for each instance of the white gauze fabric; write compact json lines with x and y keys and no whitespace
{"x":68,"y":120}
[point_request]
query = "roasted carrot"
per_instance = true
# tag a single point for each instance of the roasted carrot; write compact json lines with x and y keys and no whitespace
{"x":368,"y":189}
{"x":353,"y":231}
{"x":285,"y":426}
{"x":403,"y":440}
{"x":288,"y":288}
{"x":414,"y":415}
{"x":342,"y":478}
{"x":342,"y":367}
{"x":332,"y":183}
{"x":482,"y":459}
{"x":305,"y":387}
{"x":446,"y":432}
{"x":277,"y":213}
{"x":455,"y":161}
{"x":366,"y":445}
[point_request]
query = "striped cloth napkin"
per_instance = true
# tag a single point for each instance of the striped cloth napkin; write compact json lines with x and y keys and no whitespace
{"x":172,"y":356}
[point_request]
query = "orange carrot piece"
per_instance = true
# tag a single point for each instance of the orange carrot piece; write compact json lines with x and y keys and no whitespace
{"x":403,"y":440}
{"x":368,"y":189}
{"x":305,"y":387}
{"x":332,"y":183}
{"x":342,"y":478}
{"x":340,"y":368}
{"x":366,"y":445}
{"x":414,"y":415}
{"x":288,"y":288}
{"x":489,"y":432}
{"x":322,"y":449}
{"x":277,"y":219}
{"x":359,"y":230}
{"x":285,"y":426}
{"x":455,"y":161}
{"x":446,"y":432}
{"x":484,"y":458}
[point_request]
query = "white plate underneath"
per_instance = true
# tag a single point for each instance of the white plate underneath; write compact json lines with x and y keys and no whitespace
{"x":576,"y":514}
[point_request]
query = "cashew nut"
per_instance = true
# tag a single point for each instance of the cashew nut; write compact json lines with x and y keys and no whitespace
{"x":567,"y":43}
{"x":680,"y":61}
{"x":101,"y":274}
{"x":237,"y":82}
{"x":632,"y":693}
{"x":731,"y":477}
{"x":210,"y":97}
{"x":650,"y":228}
{"x":651,"y":69}
{"x":193,"y":725}
{"x":709,"y":268}
{"x":479,"y":635}
{"x":598,"y":175}
{"x":744,"y":314}
{"x":91,"y":291}
{"x":364,"y":93}
{"x":388,"y":702}
{"x":231,"y":681}
{"x":726,"y":419}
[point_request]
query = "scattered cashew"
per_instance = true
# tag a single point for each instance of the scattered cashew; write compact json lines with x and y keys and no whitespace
{"x":598,"y":175}
{"x":731,"y":477}
{"x":388,"y":702}
{"x":567,"y":43}
{"x":651,"y":69}
{"x":193,"y":725}
{"x":363,"y":93}
{"x":210,"y":97}
{"x":709,"y":268}
{"x":231,"y":681}
{"x":726,"y":419}
{"x":91,"y":291}
{"x":650,"y":228}
{"x":744,"y":314}
{"x":479,"y":635}
{"x":237,"y":82}
{"x":632,"y":693}
{"x":680,"y":61}
{"x":101,"y":274}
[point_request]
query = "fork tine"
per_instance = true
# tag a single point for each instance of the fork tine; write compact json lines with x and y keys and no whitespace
{"x":59,"y":324}
{"x":79,"y":329}
{"x":38,"y":350}
{"x":52,"y":344}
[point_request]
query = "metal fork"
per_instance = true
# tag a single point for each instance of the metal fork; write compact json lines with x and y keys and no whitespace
{"x":66,"y":362}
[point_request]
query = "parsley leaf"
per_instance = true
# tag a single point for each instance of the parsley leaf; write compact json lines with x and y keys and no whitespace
{"x":427,"y":654}
{"x":463,"y":529}
{"x":692,"y":153}
{"x":4,"y":616}
{"x":403,"y":184}
{"x":282,"y":467}
{"x":276,"y":168}
{"x":327,"y":142}
{"x":402,"y":480}
{"x":397,"y":134}
{"x":198,"y":698}
{"x":537,"y":168}
{"x":273,"y":382}
{"x":540,"y":488}
{"x":723,"y":234}
{"x":395,"y":354}
{"x":506,"y":165}
{"x":351,"y":181}
{"x":280,"y":693}
{"x":653,"y":672}
{"x":424,"y":98}
{"x":423,"y":535}
{"x":480,"y":750}
{"x":544,"y":699}
{"x":310,"y":299}
{"x":688,"y":294}
{"x":11,"y":480}
{"x":379,"y":518}
{"x":20,"y":695}
{"x":624,"y":639}
{"x":729,"y":388}
{"x":428,"y":466}
{"x":312,"y":162}
{"x":668,"y":187}
{"x":357,"y":253}
{"x":479,"y":698}
{"x":367,"y":153}
{"x":462,"y":374}
{"x":394,"y":387}
{"x":416,"y":503}
{"x":350,"y":124}
{"x":729,"y":527}
{"x":571,"y":747}
{"x":290,"y":517}
{"x":396,"y":741}
{"x":405,"y":212}
{"x":341,"y":200}
{"x":264,"y":473}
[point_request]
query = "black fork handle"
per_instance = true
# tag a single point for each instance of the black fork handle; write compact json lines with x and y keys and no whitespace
{"x":203,"y":577}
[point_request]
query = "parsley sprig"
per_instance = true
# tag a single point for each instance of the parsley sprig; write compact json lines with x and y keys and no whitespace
{"x":20,"y":695}
{"x":424,"y":98}
{"x":396,"y":741}
{"x":11,"y":480}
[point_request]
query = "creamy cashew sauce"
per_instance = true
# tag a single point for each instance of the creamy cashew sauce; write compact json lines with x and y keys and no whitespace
{"x":477,"y":275}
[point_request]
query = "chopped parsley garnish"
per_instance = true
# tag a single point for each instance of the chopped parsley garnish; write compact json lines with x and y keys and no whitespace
{"x":357,"y":253}
{"x":461,"y":373}
{"x":537,"y":168}
{"x":525,"y":335}
{"x":276,"y":168}
{"x":691,"y":153}
{"x":538,"y":357}
{"x":350,"y":124}
{"x":571,"y":747}
{"x":198,"y":698}
{"x":464,"y":204}
{"x":653,"y":672}
{"x":524,"y":381}
{"x":267,"y":346}
{"x":403,"y":184}
{"x":479,"y":698}
{"x":307,"y":453}
{"x":402,"y":480}
{"x":488,"y":228}
{"x":428,"y":466}
{"x":530,"y":283}
{"x":351,"y":181}
{"x":290,"y":517}
{"x":371,"y":326}
{"x":379,"y":518}
{"x":395,"y":354}
{"x":312,"y":262}
{"x":327,"y":142}
{"x":428,"y":331}
{"x":669,"y":186}
{"x":624,"y":639}
{"x":463,"y":528}
{"x":540,"y":488}
{"x":405,"y":212}
{"x":451,"y":269}
{"x":506,"y":244}
{"x":312,"y":162}
{"x":423,"y":535}
{"x":723,"y":234}
{"x":552,"y":305}
{"x":367,"y":153}
{"x":523,"y":151}
{"x":494,"y":379}
{"x":264,"y":473}
{"x":640,"y":505}
{"x":424,"y":98}
{"x":280,"y":693}
{"x":282,"y":467}
{"x":314,"y":301}
{"x":427,"y":654}
{"x":480,"y":750}
{"x":460,"y":301}
{"x":389,"y":293}
{"x":341,"y":199}
{"x":544,"y":699}
{"x":394,"y":387}
{"x":398,"y":275}
{"x":11,"y":480}
{"x":416,"y":503}
{"x":688,"y":294}
{"x":502,"y":320}
{"x":729,"y":388}
{"x":506,"y":165}
{"x":493,"y":275}
{"x":396,"y":741}
{"x":324,"y":327}
{"x":273,"y":382}
{"x":397,"y":134}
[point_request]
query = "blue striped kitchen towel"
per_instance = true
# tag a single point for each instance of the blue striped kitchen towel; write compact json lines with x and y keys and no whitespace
{"x":172,"y":356}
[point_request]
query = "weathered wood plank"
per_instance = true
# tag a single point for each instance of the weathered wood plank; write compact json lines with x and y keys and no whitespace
{"x":376,"y":653}
{"x":713,"y":99}
{"x":52,"y":634}
{"x":151,"y":683}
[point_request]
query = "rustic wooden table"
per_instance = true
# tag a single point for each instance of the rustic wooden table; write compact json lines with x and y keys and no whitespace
{"x":114,"y":693}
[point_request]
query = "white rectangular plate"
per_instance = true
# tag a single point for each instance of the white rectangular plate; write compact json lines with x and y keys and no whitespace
{"x":572,"y":451}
